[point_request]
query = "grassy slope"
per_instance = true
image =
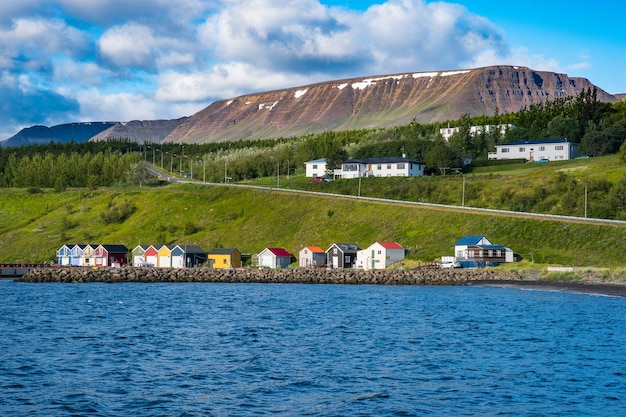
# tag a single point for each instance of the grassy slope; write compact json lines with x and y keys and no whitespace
{"x":33,"y":226}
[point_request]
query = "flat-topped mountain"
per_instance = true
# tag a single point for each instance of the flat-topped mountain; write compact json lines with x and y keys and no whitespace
{"x":380,"y":101}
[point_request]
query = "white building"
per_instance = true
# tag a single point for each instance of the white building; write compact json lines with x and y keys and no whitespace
{"x":447,"y":132}
{"x":380,"y":167}
{"x":315,"y":168}
{"x":536,"y":150}
{"x":379,"y":255}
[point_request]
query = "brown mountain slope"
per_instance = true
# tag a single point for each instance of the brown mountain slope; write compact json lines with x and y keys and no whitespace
{"x":380,"y":101}
{"x":140,"y":131}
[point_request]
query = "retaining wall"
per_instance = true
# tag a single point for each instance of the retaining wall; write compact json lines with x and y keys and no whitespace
{"x":419,"y":276}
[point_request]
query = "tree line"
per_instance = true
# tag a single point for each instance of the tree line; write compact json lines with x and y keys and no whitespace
{"x":599,"y":128}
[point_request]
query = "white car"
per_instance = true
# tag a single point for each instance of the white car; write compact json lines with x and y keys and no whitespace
{"x":445,"y":265}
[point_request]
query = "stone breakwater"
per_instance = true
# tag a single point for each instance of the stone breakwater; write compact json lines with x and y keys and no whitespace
{"x":420,"y":276}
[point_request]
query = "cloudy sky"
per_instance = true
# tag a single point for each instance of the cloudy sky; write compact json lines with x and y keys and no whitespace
{"x":101,"y":60}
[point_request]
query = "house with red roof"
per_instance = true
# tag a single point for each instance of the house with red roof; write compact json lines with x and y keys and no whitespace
{"x":379,"y":255}
{"x":311,"y":256}
{"x":274,"y":258}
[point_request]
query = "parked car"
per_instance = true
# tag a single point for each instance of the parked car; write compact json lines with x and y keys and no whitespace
{"x":445,"y":265}
{"x":316,"y":180}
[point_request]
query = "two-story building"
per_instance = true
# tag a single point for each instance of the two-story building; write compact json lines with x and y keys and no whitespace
{"x":315,"y":168}
{"x":536,"y":150}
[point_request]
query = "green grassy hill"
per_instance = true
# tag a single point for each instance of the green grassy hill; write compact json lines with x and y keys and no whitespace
{"x":33,"y":226}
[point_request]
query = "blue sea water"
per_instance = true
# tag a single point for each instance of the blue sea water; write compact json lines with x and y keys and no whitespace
{"x":308,"y":350}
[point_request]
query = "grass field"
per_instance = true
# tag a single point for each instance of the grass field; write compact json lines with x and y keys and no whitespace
{"x":33,"y":226}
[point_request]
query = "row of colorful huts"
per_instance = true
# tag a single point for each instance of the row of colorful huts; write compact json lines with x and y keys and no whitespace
{"x":379,"y":255}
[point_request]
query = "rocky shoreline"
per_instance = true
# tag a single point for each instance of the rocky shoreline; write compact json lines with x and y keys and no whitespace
{"x":590,"y":284}
{"x":418,"y":276}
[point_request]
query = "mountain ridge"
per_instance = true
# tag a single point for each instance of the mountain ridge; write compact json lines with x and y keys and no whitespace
{"x":352,"y":103}
{"x":377,"y":101}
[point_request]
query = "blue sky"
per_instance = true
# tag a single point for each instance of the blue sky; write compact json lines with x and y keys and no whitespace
{"x":63,"y":61}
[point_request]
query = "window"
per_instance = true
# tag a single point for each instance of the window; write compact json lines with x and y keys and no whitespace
{"x":522,"y":149}
{"x":350,"y":167}
{"x":379,"y":167}
{"x":558,"y":148}
{"x":224,"y":261}
{"x":379,"y":252}
{"x":401,"y":166}
{"x":346,"y":259}
{"x":505,"y":150}
{"x":542,"y":148}
{"x":314,"y":166}
{"x":388,"y":166}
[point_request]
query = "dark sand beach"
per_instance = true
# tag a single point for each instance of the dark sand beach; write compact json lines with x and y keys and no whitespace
{"x":617,"y":289}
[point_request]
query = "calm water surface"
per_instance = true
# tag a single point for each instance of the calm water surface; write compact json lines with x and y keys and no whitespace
{"x":308,"y":350}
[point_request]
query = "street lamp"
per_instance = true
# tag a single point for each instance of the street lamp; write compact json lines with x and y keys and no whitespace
{"x":172,"y":156}
{"x":190,"y":165}
{"x":463,"y":194}
{"x":150,"y":147}
{"x":181,"y":160}
{"x":278,"y":176}
{"x":585,"y":184}
{"x":203,"y":168}
{"x":161,"y":152}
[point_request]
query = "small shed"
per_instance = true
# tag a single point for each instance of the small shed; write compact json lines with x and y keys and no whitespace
{"x":311,"y":256}
{"x":111,"y":255}
{"x":165,"y":256}
{"x":89,"y":255}
{"x":138,"y":255}
{"x":76,"y":254}
{"x":64,"y":254}
{"x":274,"y":258}
{"x":341,"y":255}
{"x":187,"y":256}
{"x":224,"y":258}
{"x":152,"y":256}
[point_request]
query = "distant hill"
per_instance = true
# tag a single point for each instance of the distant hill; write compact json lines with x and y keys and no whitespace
{"x":40,"y":135}
{"x":378,"y":101}
{"x":140,"y":131}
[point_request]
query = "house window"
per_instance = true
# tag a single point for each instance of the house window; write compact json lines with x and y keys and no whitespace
{"x":379,"y":167}
{"x":470,"y":253}
{"x":558,"y":147}
{"x":388,"y":166}
{"x":498,"y":253}
{"x":224,"y":261}
{"x":351,"y":167}
{"x":314,"y":166}
{"x":542,"y":148}
{"x":505,"y":150}
{"x":379,"y":252}
{"x":522,"y":149}
{"x":401,"y":166}
{"x":346,"y":259}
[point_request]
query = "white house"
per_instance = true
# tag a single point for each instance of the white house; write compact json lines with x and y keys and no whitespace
{"x":536,"y":150}
{"x":447,"y":132}
{"x":379,"y":255}
{"x":380,"y":167}
{"x":311,"y":256}
{"x":274,"y":258}
{"x":315,"y":168}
